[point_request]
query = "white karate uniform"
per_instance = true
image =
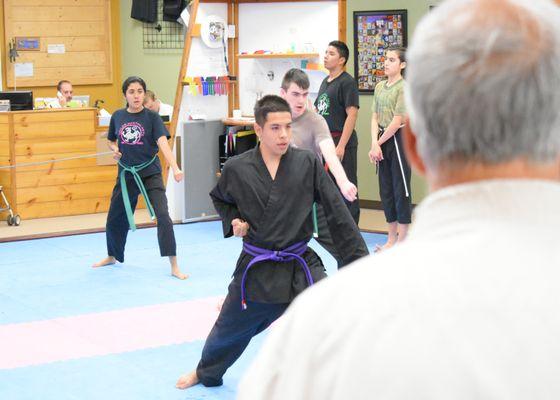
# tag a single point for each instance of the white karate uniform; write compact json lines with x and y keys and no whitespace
{"x":165,"y":109}
{"x":468,"y":307}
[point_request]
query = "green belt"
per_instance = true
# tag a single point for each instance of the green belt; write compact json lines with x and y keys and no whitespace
{"x":126,"y":199}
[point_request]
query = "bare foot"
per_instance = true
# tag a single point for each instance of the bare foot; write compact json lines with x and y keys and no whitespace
{"x":176,"y":272}
{"x":187,"y":380}
{"x":106,"y":261}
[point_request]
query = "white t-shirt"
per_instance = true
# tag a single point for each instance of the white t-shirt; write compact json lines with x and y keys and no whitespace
{"x":466,"y":308}
{"x":165,"y":109}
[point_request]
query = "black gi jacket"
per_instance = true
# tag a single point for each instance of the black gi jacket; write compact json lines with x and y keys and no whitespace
{"x":279,"y":213}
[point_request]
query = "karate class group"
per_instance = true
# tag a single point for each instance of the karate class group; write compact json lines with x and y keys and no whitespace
{"x":88,"y":313}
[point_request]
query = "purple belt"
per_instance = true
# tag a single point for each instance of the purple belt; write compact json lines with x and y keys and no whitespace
{"x":293,"y":252}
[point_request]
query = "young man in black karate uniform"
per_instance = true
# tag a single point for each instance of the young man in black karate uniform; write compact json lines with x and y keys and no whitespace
{"x":266,"y":195}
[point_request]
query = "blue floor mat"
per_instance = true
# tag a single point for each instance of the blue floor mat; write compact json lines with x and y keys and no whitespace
{"x":50,"y":278}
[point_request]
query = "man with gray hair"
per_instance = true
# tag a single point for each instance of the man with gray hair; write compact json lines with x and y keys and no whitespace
{"x":466,"y":307}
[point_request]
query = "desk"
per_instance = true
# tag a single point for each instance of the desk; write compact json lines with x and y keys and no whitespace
{"x":53,"y":189}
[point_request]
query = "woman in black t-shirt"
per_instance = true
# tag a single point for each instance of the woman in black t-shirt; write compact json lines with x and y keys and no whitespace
{"x":135,"y":136}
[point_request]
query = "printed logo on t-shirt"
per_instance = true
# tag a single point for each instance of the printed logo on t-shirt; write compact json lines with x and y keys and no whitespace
{"x":323,"y":104}
{"x":132,"y":133}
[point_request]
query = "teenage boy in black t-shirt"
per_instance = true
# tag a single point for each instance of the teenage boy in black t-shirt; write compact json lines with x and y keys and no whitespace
{"x":338,"y":102}
{"x":135,"y":136}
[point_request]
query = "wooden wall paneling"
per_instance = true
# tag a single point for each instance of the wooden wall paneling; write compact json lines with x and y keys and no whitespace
{"x":48,"y":177}
{"x":83,"y":27}
{"x":69,"y":164}
{"x":46,"y":13}
{"x":69,"y":187}
{"x":51,"y":75}
{"x":4,"y":127}
{"x":60,"y":2}
{"x":109,"y":42}
{"x":54,"y":129}
{"x":65,"y":207}
{"x":70,"y":60}
{"x":53,"y":146}
{"x":73,"y":43}
{"x":57,"y":125}
{"x":75,"y":191}
{"x":5,"y":180}
{"x":4,"y":140}
{"x":5,"y":148}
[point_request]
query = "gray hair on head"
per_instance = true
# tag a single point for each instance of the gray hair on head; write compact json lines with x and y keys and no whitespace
{"x":484,"y":82}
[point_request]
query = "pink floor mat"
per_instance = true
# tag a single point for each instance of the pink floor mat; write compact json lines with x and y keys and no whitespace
{"x":105,"y":333}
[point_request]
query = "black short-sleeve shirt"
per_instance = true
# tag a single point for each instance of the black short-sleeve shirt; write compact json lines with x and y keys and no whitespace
{"x":137,"y":135}
{"x":333,"y":99}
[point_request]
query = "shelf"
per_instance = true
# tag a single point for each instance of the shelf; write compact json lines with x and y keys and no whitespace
{"x":215,"y":83}
{"x":238,"y":122}
{"x":280,"y":55}
{"x":315,"y":71}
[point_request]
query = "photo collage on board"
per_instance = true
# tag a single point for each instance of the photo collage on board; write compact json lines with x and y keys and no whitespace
{"x":375,"y":33}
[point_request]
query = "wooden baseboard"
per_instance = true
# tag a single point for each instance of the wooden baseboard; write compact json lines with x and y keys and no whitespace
{"x":375,"y":204}
{"x":73,"y":232}
{"x":371,"y":204}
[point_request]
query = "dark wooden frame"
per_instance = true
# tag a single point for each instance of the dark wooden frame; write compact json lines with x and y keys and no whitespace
{"x":21,"y":48}
{"x":383,"y":37}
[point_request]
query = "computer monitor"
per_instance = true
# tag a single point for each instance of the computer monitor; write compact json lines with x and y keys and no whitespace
{"x":19,"y":100}
{"x":79,"y":101}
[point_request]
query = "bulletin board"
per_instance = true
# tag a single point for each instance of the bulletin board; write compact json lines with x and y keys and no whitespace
{"x":374,"y":32}
{"x":58,"y":39}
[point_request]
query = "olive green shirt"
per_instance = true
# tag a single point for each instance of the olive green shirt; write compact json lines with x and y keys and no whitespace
{"x":388,"y":101}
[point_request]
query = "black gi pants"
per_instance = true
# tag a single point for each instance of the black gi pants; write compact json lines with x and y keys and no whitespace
{"x":350,"y":164}
{"x":231,"y":334}
{"x":396,"y":205}
{"x":117,"y":222}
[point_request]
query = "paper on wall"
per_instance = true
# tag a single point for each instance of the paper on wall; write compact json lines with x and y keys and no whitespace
{"x":23,"y":69}
{"x":56,"y":49}
{"x":184,"y":17}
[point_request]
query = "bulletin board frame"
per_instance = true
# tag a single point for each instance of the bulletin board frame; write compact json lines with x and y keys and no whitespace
{"x":73,"y":40}
{"x":374,"y":32}
{"x":27,"y":43}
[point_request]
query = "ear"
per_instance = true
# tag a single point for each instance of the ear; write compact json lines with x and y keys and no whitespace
{"x":283,"y":93}
{"x":403,"y":65}
{"x":258,"y":129}
{"x":411,"y":150}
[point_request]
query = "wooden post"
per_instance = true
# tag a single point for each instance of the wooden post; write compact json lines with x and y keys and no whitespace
{"x":342,"y":20}
{"x":233,"y":59}
{"x":180,"y":85}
